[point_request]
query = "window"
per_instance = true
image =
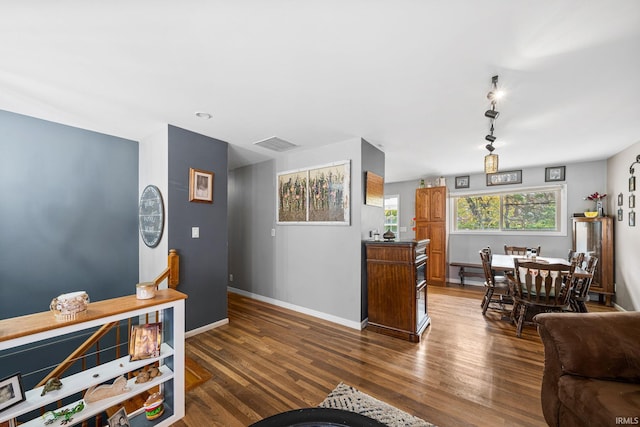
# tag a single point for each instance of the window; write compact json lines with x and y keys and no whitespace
{"x":539,"y":210}
{"x":391,"y":221}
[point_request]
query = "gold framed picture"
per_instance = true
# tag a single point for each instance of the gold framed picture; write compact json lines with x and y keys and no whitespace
{"x":145,"y":341}
{"x":200,"y":186}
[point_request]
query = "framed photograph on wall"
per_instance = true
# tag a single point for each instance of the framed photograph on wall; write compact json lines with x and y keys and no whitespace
{"x":632,"y":201}
{"x":632,"y":183}
{"x":620,"y":199}
{"x":554,"y":173}
{"x":200,"y":186}
{"x":462,"y":181}
{"x":11,"y":391}
{"x":503,"y":178}
{"x":620,"y":214}
{"x":632,"y":219}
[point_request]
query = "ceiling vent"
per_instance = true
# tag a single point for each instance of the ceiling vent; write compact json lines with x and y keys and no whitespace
{"x":276,"y":144}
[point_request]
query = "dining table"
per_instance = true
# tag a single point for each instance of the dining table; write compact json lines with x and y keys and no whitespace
{"x":501,"y":262}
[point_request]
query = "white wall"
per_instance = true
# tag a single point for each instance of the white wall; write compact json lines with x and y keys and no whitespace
{"x":313,"y":268}
{"x":627,"y":239}
{"x":152,"y":170}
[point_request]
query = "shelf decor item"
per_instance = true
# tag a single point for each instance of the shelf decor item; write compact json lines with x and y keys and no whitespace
{"x":145,"y":341}
{"x":145,"y":290}
{"x":154,"y":406}
{"x":11,"y":391}
{"x":119,"y":419}
{"x":69,"y":306}
{"x":597,"y":197}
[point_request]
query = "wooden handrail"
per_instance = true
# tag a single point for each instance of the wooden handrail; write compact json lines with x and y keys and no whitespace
{"x":77,"y":353}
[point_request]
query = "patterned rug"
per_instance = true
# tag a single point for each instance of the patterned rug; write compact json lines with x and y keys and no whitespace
{"x":348,"y":398}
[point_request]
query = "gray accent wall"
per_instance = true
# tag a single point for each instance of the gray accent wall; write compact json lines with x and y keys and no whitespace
{"x":68,"y":214}
{"x":203,"y":261}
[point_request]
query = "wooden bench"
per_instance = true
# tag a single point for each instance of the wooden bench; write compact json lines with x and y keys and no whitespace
{"x":464,"y":268}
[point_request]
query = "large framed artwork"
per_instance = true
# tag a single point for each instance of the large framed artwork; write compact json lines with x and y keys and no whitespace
{"x":316,"y":195}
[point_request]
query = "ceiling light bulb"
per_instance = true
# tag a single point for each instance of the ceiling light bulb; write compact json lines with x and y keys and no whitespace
{"x":203,"y":115}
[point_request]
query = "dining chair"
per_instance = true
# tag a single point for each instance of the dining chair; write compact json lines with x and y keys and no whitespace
{"x":540,"y":287}
{"x":519,"y":250}
{"x":493,"y":283}
{"x":578,"y":257}
{"x":580,"y":293}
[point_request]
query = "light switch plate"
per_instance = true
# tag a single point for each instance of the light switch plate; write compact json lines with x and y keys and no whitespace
{"x":195,"y":232}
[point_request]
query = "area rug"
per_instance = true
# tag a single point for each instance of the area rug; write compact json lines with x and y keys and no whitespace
{"x":348,"y":398}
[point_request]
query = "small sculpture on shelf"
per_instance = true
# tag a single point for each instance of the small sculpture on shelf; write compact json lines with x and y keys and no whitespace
{"x":67,"y":414}
{"x":389,"y":236}
{"x":147,"y":373}
{"x":51,"y":385}
{"x":100,"y":392}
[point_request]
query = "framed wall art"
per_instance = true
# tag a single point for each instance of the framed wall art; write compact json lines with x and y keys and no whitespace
{"x":632,"y":183}
{"x":632,"y":201}
{"x":620,"y":214}
{"x":554,"y":173}
{"x":620,"y":199}
{"x":462,"y":181}
{"x":503,"y":178}
{"x":200,"y":186}
{"x":632,"y":219}
{"x":374,"y":189}
{"x":316,"y":195}
{"x":11,"y":391}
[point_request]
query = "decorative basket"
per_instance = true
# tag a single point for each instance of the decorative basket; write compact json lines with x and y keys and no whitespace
{"x":69,"y":306}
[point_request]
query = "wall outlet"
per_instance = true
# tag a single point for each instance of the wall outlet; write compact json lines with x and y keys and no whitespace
{"x":273,"y":232}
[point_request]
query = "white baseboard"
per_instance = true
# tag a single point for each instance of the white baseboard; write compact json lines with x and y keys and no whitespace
{"x":324,"y":316}
{"x":206,"y":328}
{"x":466,"y":282}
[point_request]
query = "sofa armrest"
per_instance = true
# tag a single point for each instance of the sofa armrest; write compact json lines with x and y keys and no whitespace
{"x":595,"y":345}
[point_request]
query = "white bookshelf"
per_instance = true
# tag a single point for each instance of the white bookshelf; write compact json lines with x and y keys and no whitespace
{"x":33,"y":328}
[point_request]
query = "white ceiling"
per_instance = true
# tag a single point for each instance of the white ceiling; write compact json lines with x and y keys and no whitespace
{"x":409,"y":76}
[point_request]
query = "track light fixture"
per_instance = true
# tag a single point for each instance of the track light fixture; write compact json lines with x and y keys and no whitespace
{"x":491,"y":160}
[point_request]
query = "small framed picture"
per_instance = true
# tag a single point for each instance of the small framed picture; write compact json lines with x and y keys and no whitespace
{"x":503,"y":178}
{"x":119,"y":419}
{"x":620,"y":199}
{"x":145,"y":341}
{"x":200,"y":186}
{"x":555,"y":173}
{"x":632,"y":183}
{"x":462,"y":181}
{"x":632,"y":219}
{"x":632,"y":201}
{"x":620,"y":214}
{"x":11,"y":391}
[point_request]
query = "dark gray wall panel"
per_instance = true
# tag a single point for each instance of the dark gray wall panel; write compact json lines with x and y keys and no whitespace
{"x":68,"y":214}
{"x":203,"y":261}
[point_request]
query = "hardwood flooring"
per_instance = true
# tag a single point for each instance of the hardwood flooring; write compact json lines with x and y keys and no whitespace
{"x":468,"y":370}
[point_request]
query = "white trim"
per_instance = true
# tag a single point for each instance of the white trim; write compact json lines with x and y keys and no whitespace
{"x":206,"y":328}
{"x":324,"y":316}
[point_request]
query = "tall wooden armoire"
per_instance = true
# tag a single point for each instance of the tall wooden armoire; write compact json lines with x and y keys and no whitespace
{"x":431,"y":223}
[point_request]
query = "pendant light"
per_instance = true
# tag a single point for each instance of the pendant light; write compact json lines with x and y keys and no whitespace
{"x":491,"y":159}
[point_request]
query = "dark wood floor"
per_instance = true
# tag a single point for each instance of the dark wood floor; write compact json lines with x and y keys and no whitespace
{"x":468,"y":370}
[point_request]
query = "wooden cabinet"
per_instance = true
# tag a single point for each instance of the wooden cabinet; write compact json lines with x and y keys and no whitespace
{"x":32,"y":335}
{"x":431,"y":223}
{"x":397,"y":288}
{"x":594,"y":236}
